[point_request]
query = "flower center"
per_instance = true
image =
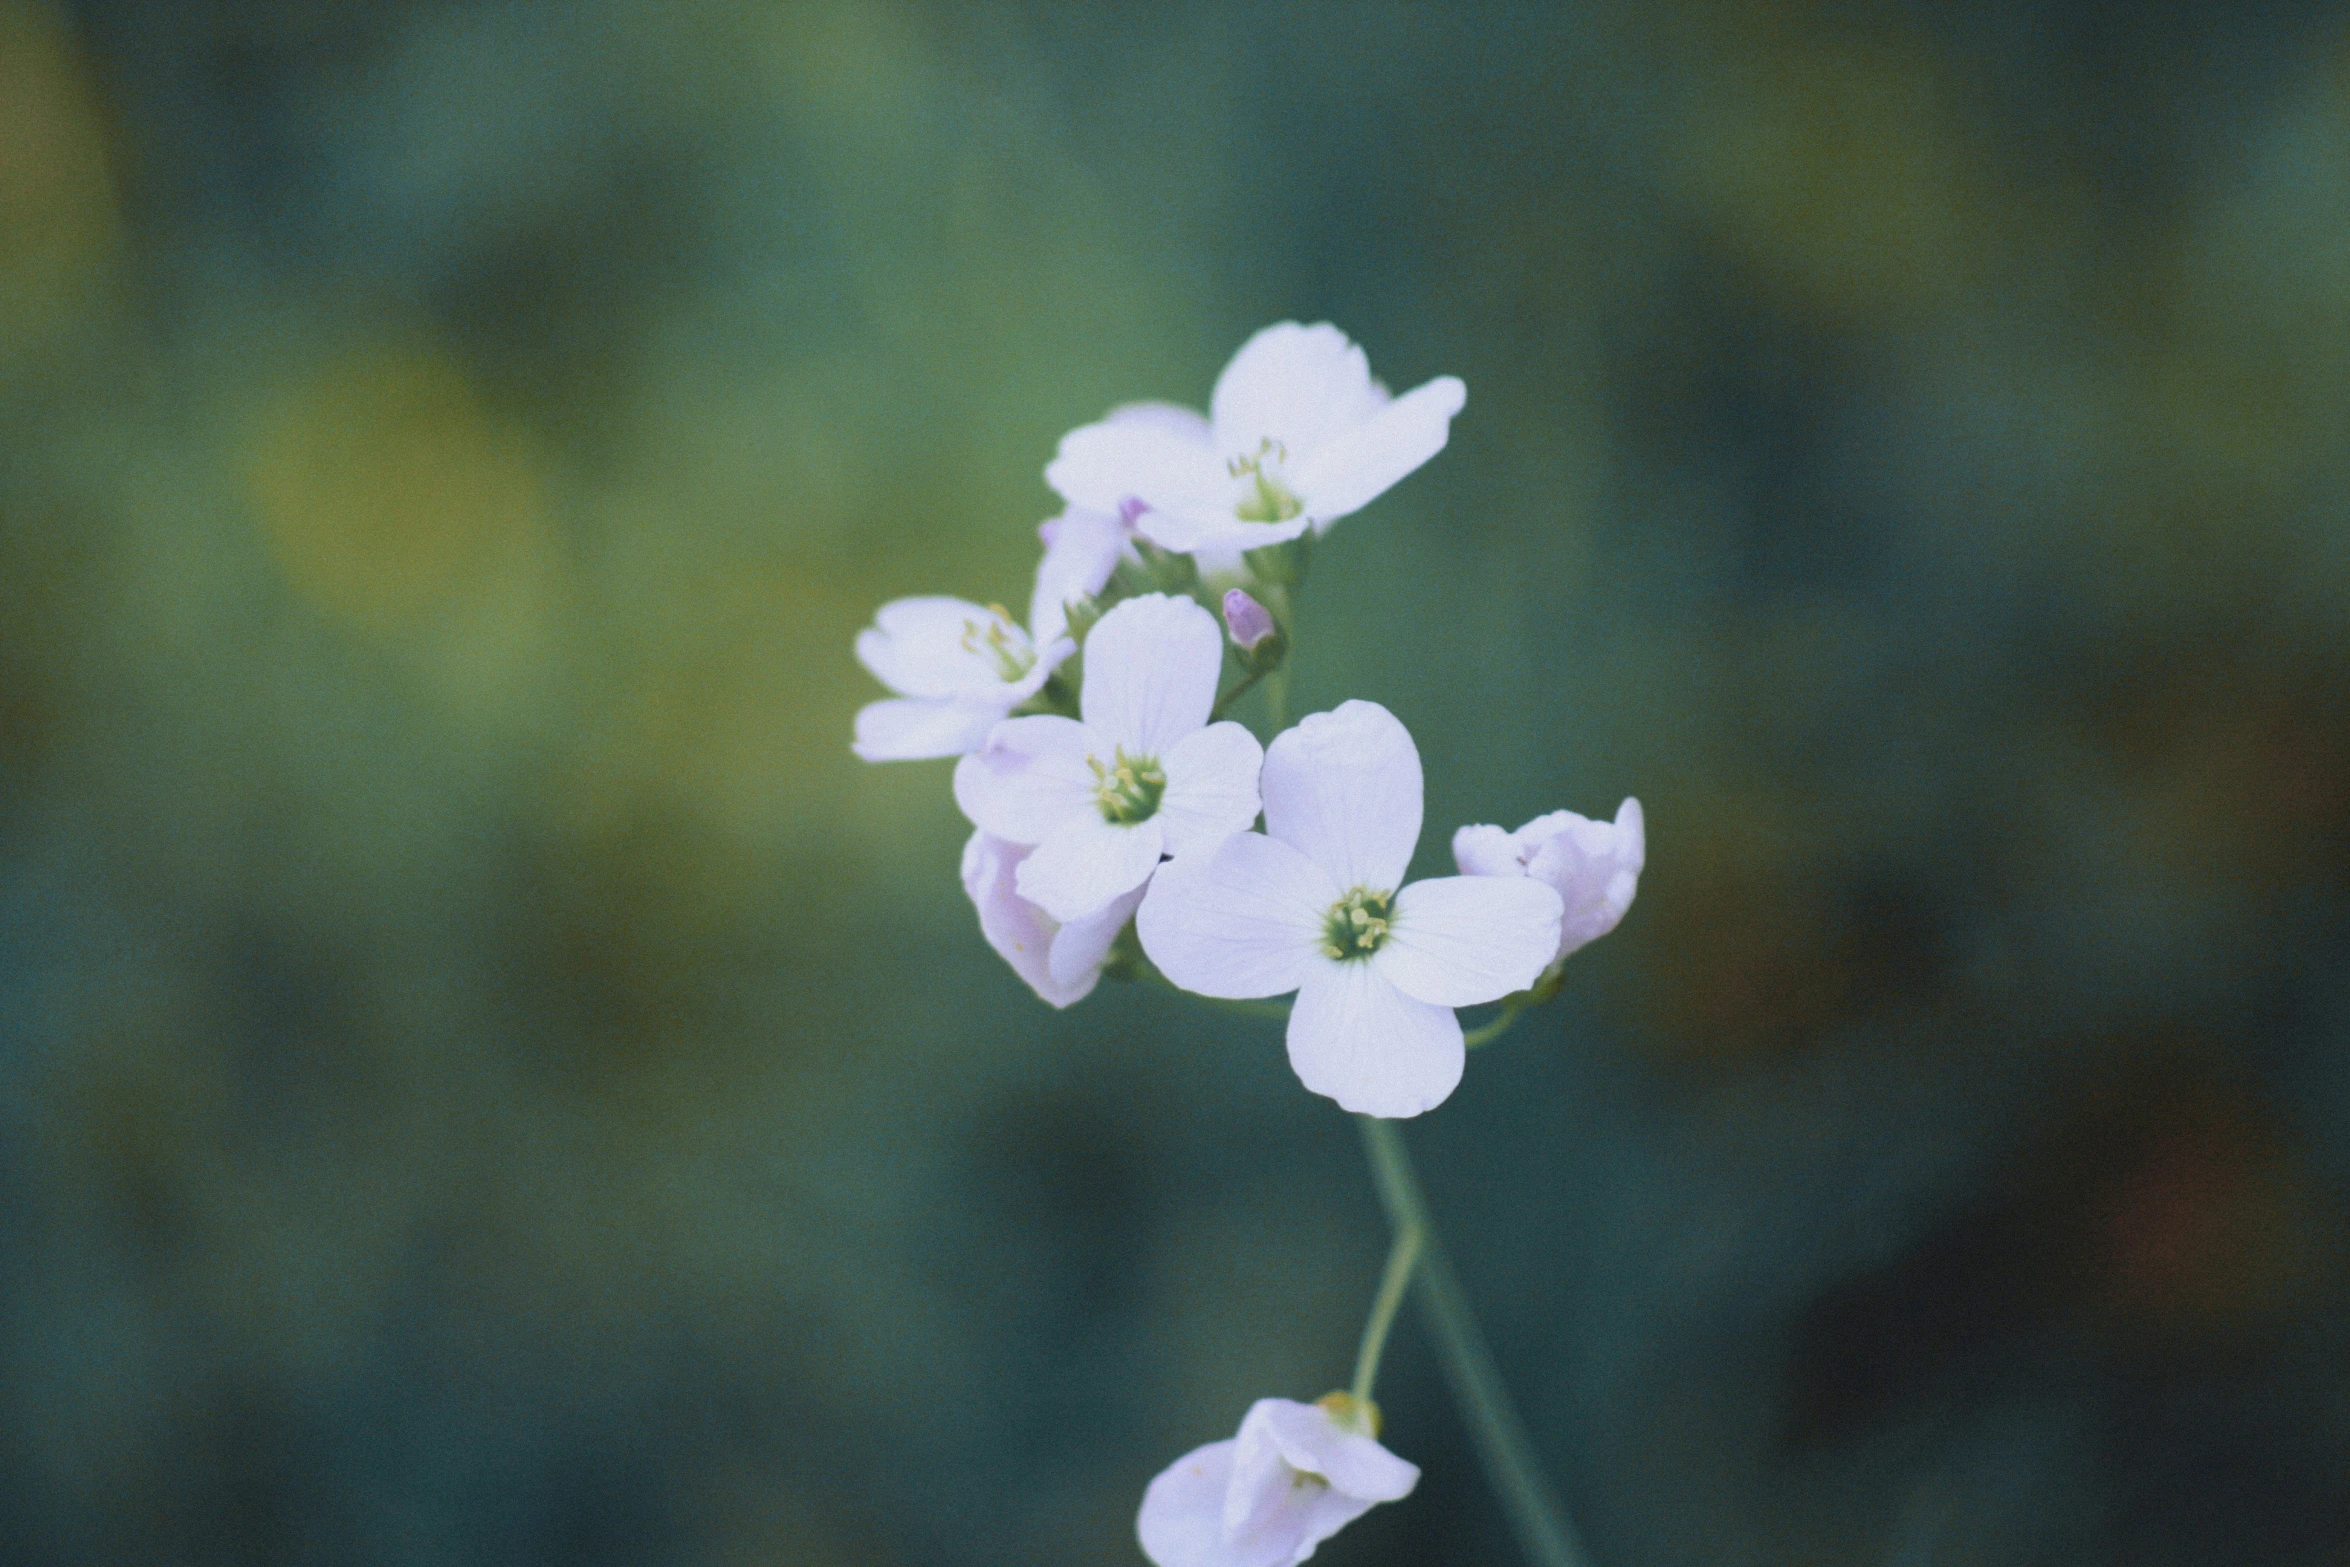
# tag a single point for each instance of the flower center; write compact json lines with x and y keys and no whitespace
{"x":1128,"y":788}
{"x":1356,"y":925}
{"x":1000,"y":642}
{"x":1267,"y":499}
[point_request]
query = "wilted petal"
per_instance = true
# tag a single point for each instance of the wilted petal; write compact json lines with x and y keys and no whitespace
{"x":1085,"y":862}
{"x":1082,"y":944}
{"x":1455,"y":941}
{"x":1313,"y":1440}
{"x":1344,"y":787}
{"x":913,"y":729}
{"x":1182,"y":1519}
{"x":1211,"y":786}
{"x":1151,"y":668}
{"x":1021,"y":933}
{"x":1102,"y":466}
{"x":1358,"y":465}
{"x":1239,"y":921}
{"x":1029,"y":778}
{"x":1298,"y":386}
{"x":1357,"y":1039}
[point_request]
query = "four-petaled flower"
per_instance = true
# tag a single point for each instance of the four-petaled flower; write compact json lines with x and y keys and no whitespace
{"x":1297,"y":436}
{"x":1316,"y":904}
{"x":1593,"y":866}
{"x":1143,"y":774}
{"x":1061,"y":963}
{"x":957,"y":668}
{"x":1294,"y":1476}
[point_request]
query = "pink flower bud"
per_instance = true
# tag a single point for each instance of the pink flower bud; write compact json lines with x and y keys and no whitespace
{"x":1248,"y":621}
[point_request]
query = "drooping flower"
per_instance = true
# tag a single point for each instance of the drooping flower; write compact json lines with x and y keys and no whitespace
{"x":1141,"y":774}
{"x":1315,"y":904}
{"x":1294,"y":1476}
{"x":1061,"y":963}
{"x":957,"y":668}
{"x":1297,"y":436}
{"x":1593,"y":866}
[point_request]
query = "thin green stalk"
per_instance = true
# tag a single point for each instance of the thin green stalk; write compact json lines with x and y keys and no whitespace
{"x":1233,"y":693}
{"x":1492,"y":1031}
{"x":1392,"y":1282}
{"x":1533,"y":1508}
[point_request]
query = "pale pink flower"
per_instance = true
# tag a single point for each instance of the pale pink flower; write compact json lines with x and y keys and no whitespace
{"x":1061,"y":963}
{"x":1593,"y":866}
{"x":1294,"y":1476}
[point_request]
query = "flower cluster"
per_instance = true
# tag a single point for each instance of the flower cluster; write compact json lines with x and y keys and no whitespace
{"x":1116,"y":811}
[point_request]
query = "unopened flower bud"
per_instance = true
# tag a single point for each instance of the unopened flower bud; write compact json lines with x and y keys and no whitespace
{"x":1249,"y":621}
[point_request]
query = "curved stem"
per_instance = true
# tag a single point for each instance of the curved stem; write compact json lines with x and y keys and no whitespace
{"x":1534,"y":1511}
{"x":1233,"y":693}
{"x":1492,"y":1031}
{"x":1398,"y":1274}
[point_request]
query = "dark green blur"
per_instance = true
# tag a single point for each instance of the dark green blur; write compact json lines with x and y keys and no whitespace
{"x":486,"y":1078}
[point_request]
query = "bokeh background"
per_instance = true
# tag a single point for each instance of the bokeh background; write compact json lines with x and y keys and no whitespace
{"x":486,"y":1078}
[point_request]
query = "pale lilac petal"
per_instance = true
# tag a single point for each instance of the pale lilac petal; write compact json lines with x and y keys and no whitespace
{"x":1102,"y":466}
{"x":1029,"y":778}
{"x":1213,"y":530}
{"x":1594,"y":865}
{"x":1355,"y":1038}
{"x":1310,"y":1438}
{"x":923,"y":647}
{"x":1344,"y":787}
{"x":1357,"y":466}
{"x":1298,"y":386}
{"x":1174,"y":419}
{"x":1239,"y":921}
{"x":1260,"y":1502}
{"x":1182,"y":1519}
{"x":914,"y":729}
{"x":1486,"y":850}
{"x":1078,"y":559}
{"x":1151,"y":668}
{"x":1455,"y":941}
{"x":1082,"y":944}
{"x":1021,"y":933}
{"x":1085,"y":862}
{"x":1211,"y":786}
{"x":1324,"y":1512}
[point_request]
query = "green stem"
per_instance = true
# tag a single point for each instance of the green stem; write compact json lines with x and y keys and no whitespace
{"x":1534,"y":1511}
{"x":1492,"y":1031}
{"x":1398,"y":1274}
{"x":1233,"y":693}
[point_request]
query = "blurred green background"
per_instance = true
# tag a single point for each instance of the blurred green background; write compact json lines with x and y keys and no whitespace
{"x":485,"y":1078}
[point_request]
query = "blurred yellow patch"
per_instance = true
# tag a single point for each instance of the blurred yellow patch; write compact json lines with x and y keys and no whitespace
{"x":57,"y":208}
{"x":387,"y":491}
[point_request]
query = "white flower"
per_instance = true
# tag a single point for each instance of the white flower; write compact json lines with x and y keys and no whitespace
{"x":1144,"y":773}
{"x":1294,"y":1476}
{"x":1593,"y":866}
{"x":1298,"y":436}
{"x":1060,"y":962}
{"x":1313,"y":905}
{"x":957,"y":668}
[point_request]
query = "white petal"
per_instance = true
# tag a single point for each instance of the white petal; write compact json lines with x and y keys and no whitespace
{"x":923,"y":647}
{"x":1357,"y":1039}
{"x":913,"y":729}
{"x":1594,"y":865}
{"x":1297,"y":386}
{"x":1261,"y":1502}
{"x":1215,"y":529}
{"x":1486,"y":851}
{"x":1102,"y":466}
{"x":1082,"y":944}
{"x":1182,"y":1519}
{"x":1021,"y":933}
{"x":1211,"y":786}
{"x":1354,"y":469}
{"x":1242,"y":920}
{"x":1311,"y":1439}
{"x":1172,"y":418}
{"x":1085,"y":862}
{"x":1455,"y":941}
{"x":1344,"y":786}
{"x":1084,"y":550}
{"x":1151,"y":668}
{"x":1029,"y":778}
